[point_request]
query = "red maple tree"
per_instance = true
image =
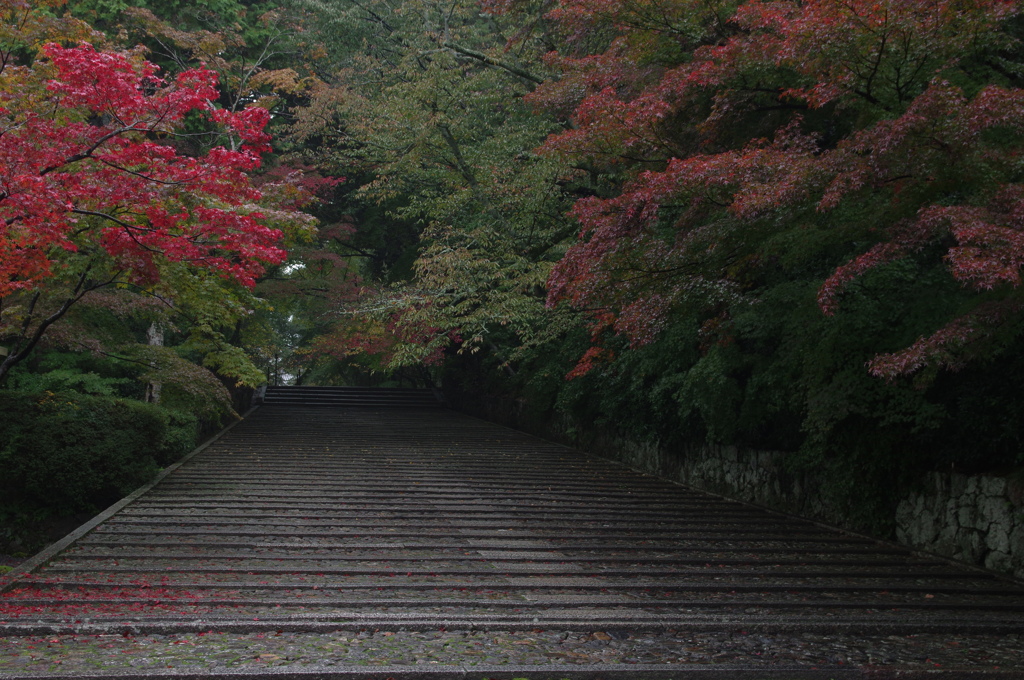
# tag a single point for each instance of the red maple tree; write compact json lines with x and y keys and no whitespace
{"x":108,"y":175}
{"x":730,"y":122}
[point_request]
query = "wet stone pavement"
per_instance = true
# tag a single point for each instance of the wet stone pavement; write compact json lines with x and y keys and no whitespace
{"x":404,"y":540}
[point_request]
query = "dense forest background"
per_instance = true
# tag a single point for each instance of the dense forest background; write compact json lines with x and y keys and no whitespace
{"x":795,"y":226}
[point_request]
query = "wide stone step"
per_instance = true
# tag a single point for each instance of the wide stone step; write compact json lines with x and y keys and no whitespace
{"x":363,"y":397}
{"x":307,"y":555}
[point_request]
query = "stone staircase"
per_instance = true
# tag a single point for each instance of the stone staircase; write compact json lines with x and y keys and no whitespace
{"x":378,"y":539}
{"x":342,"y":397}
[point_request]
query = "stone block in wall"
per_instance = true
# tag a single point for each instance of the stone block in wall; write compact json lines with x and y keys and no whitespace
{"x":968,"y":499}
{"x":999,"y":561}
{"x":916,"y":523}
{"x":968,"y":516}
{"x":928,"y":529}
{"x":950,"y":515}
{"x":995,"y":510}
{"x":946,"y":541}
{"x":970,"y":546}
{"x":997,"y":538}
{"x":992,"y":486}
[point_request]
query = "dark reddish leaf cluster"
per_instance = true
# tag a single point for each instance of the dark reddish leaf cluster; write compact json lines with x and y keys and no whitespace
{"x":731,"y":122}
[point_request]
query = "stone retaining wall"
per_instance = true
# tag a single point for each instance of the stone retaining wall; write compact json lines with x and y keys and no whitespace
{"x":978,"y":520}
{"x":755,"y":476}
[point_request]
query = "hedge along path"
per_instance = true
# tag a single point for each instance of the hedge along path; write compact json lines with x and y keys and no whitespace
{"x":353,"y":534}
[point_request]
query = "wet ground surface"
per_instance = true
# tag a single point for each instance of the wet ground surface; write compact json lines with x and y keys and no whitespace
{"x":414,"y":540}
{"x":213,"y":651}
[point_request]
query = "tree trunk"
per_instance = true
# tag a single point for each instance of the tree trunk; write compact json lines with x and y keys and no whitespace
{"x":155,"y":335}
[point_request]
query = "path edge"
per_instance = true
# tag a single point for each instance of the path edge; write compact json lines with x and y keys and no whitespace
{"x":8,"y":580}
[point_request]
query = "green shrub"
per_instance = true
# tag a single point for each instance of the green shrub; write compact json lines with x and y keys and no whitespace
{"x":71,"y":453}
{"x":180,"y":438}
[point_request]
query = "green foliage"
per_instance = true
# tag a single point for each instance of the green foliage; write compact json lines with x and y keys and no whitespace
{"x":73,"y":453}
{"x":186,"y":14}
{"x":428,"y":111}
{"x":79,"y":372}
{"x":180,"y":438}
{"x":120,"y":362}
{"x":98,"y":12}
